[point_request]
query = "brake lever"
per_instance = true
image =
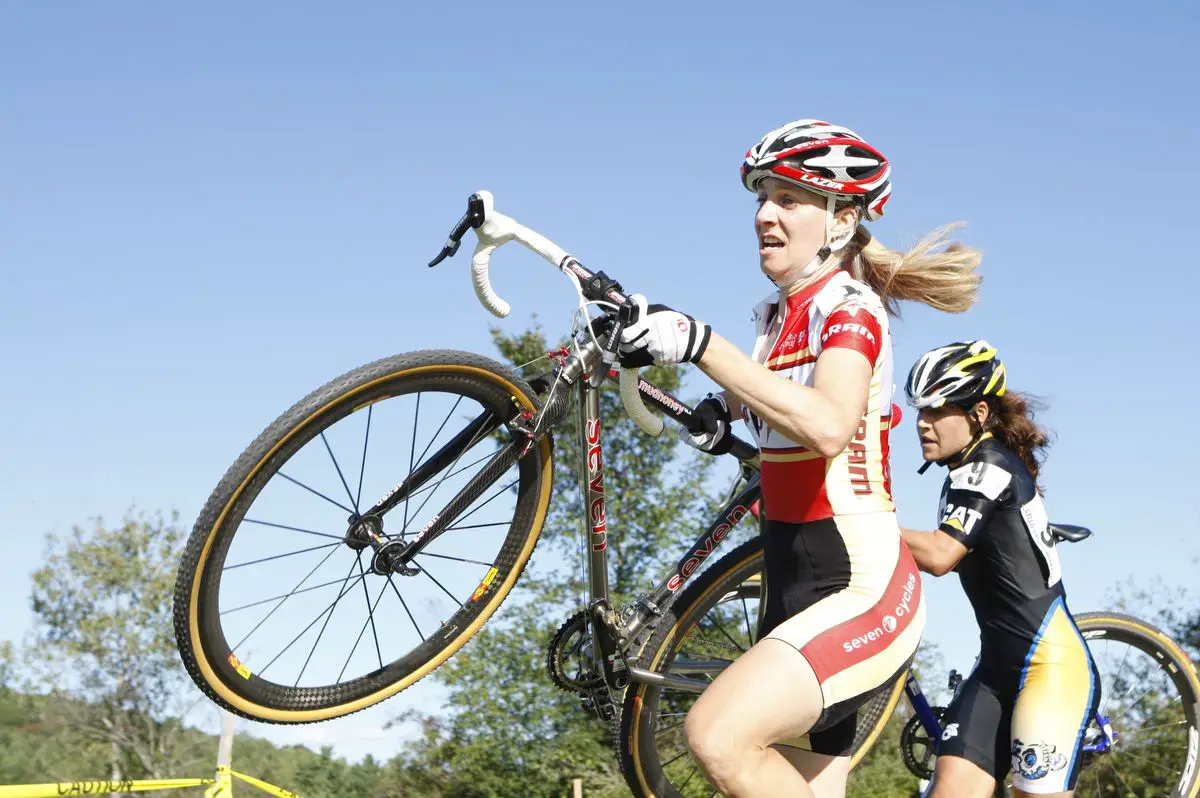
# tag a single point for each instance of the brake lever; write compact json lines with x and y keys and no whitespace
{"x":627,"y":313}
{"x":471,"y":219}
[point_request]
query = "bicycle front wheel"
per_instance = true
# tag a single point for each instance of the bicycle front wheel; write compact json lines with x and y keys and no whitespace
{"x":710,"y":624}
{"x":285,"y":609}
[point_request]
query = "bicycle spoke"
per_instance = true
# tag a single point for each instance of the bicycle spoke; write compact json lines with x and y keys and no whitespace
{"x":412,"y":449}
{"x":746,"y":613}
{"x":285,"y":595}
{"x":311,"y":624}
{"x":1120,"y":778}
{"x":370,"y":613}
{"x":470,"y":444}
{"x":691,"y":776}
{"x":362,"y":467}
{"x":281,"y":556}
{"x":459,"y":559}
{"x":1120,"y":668}
{"x":338,"y":468}
{"x":668,"y":763}
{"x":316,"y":492}
{"x":442,"y":426}
{"x":370,"y":620}
{"x":728,"y":636}
{"x":496,"y":495}
{"x":425,"y":571}
{"x":467,"y":467}
{"x":666,"y":729}
{"x":282,"y":601}
{"x":478,"y":526}
{"x":1127,"y":732}
{"x":328,"y":618}
{"x":1134,"y":704}
{"x":404,"y":604}
{"x":293,"y":529}
{"x":1125,"y":752}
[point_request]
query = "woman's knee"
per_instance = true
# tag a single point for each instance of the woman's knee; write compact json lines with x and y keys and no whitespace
{"x":720,"y":753}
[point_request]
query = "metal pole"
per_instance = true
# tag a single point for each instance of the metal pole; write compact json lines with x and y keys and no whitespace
{"x":225,"y":747}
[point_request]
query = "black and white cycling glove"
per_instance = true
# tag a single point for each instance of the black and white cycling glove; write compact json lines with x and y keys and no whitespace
{"x":715,"y":413}
{"x":661,"y":335}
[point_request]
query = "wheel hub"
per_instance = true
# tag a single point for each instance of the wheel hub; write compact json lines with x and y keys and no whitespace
{"x":367,"y":532}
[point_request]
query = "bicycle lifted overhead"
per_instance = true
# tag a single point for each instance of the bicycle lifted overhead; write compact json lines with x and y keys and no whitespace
{"x":485,"y":455}
{"x":425,"y":566}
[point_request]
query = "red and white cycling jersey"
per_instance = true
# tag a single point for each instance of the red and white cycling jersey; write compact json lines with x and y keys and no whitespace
{"x":800,"y":485}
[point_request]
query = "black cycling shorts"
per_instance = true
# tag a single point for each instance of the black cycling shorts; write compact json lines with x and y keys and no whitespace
{"x":1025,"y":711}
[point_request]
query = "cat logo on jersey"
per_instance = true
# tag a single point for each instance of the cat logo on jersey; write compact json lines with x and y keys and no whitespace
{"x":1035,"y":760}
{"x":961,"y":518}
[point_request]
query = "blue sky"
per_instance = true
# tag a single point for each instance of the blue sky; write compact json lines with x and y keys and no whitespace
{"x":206,"y":211}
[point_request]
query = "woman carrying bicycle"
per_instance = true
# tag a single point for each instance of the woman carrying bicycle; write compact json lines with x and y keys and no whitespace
{"x":843,"y":610}
{"x":1026,"y":705}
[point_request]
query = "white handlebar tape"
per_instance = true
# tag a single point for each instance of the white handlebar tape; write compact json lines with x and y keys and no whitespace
{"x":495,"y":230}
{"x":631,"y":397}
{"x":498,"y":229}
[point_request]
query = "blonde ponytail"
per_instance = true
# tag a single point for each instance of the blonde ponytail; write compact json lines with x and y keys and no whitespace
{"x":945,"y":279}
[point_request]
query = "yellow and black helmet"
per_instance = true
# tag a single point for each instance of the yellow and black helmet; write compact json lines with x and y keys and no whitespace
{"x":961,"y":373}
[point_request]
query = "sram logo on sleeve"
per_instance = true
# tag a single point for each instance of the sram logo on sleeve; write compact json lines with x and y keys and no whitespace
{"x":848,"y":327}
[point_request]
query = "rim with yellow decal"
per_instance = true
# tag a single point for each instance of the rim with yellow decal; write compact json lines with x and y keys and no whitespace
{"x":715,"y":619}
{"x":299,"y":600}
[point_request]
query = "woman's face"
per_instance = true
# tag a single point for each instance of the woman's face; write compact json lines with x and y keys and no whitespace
{"x":946,"y":431}
{"x":790,"y":224}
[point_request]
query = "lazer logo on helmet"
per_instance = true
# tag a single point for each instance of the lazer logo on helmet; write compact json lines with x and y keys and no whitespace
{"x":821,"y":182}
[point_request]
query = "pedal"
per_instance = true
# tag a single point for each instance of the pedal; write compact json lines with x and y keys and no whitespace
{"x":954,"y":681}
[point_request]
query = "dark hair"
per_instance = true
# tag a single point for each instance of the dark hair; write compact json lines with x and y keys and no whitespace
{"x":1011,"y":422}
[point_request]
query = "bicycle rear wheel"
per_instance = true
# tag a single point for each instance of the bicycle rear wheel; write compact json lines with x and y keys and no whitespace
{"x":1150,"y":695}
{"x":709,"y":625}
{"x":286,"y":612}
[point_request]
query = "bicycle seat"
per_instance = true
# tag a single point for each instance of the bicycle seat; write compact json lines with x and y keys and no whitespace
{"x":1070,"y":533}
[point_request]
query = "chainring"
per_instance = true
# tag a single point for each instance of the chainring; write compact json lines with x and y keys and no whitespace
{"x":917,"y":748}
{"x":569,"y":659}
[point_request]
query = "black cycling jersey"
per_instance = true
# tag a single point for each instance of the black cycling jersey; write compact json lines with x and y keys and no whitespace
{"x":1011,"y":574}
{"x":1026,"y":705}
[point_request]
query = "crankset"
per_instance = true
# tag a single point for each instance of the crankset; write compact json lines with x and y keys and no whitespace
{"x":917,"y":748}
{"x":572,"y":665}
{"x":570,"y":661}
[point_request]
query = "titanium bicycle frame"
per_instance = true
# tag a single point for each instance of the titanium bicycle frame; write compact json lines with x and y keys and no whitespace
{"x":613,"y":631}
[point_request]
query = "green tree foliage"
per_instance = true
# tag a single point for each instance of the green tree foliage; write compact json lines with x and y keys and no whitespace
{"x":102,"y":643}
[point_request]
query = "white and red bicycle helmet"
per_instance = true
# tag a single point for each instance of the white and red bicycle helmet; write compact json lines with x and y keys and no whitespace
{"x":827,"y":159}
